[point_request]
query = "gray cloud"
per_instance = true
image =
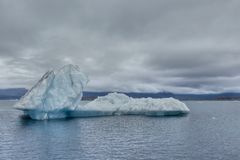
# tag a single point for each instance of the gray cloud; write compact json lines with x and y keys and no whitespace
{"x":159,"y":45}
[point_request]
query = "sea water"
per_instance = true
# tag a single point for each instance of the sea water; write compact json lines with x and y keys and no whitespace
{"x":210,"y":131}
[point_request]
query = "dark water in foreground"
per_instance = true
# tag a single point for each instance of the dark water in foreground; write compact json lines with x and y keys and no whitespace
{"x":210,"y":132}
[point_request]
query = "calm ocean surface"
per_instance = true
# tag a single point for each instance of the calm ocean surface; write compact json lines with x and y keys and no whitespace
{"x":210,"y":132}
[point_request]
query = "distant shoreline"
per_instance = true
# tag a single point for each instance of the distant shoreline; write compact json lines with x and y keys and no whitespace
{"x":17,"y":93}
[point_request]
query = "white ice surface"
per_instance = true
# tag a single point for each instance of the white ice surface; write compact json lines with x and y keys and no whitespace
{"x":118,"y":104}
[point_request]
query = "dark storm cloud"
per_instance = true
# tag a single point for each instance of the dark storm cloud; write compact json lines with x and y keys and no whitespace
{"x":137,"y":45}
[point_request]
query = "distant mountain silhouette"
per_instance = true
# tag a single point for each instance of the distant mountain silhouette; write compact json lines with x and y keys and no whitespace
{"x":216,"y":96}
{"x":12,"y":93}
{"x":16,"y":93}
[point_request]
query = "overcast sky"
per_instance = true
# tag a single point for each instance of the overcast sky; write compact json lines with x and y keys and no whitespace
{"x":190,"y":46}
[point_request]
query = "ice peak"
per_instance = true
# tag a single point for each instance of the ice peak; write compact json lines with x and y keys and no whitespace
{"x":57,"y":89}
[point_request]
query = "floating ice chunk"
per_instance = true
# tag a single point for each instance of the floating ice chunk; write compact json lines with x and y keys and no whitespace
{"x":54,"y":93}
{"x":58,"y":94}
{"x":121,"y":104}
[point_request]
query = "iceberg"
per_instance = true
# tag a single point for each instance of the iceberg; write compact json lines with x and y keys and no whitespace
{"x":59,"y":92}
{"x":55,"y":93}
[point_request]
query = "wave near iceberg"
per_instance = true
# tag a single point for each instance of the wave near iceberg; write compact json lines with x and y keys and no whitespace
{"x":58,"y":95}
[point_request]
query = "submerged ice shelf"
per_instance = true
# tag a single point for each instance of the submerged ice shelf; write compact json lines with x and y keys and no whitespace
{"x":58,"y":94}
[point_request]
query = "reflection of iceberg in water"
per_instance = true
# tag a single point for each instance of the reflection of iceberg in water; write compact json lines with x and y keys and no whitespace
{"x":58,"y":94}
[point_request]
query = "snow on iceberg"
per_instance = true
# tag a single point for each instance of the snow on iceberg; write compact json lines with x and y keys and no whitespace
{"x":121,"y":104}
{"x":56,"y":92}
{"x":59,"y":92}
